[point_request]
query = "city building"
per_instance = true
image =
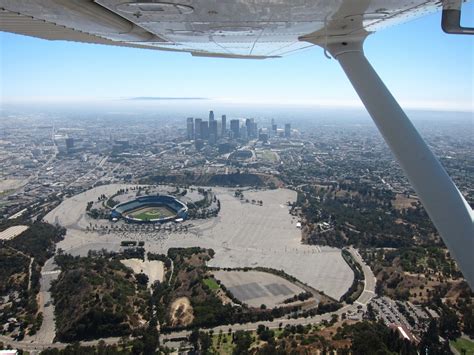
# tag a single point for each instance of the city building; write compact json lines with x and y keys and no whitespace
{"x":287,"y":130}
{"x":197,"y":128}
{"x":249,"y":124}
{"x":212,"y":131}
{"x":224,"y":126}
{"x":235,"y":128}
{"x":190,"y":128}
{"x":198,"y":144}
{"x":212,"y":139}
{"x":69,"y":144}
{"x":243,"y":133}
{"x":211,"y":116}
{"x":120,"y":145}
{"x":205,"y":130}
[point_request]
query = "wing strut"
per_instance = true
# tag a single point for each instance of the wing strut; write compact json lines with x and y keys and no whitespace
{"x":447,"y":208}
{"x":451,"y":18}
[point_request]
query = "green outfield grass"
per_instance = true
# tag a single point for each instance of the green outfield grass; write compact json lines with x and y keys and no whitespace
{"x":149,"y":213}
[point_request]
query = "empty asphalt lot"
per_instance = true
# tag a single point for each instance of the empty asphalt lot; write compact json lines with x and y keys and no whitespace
{"x":256,"y":288}
{"x":243,"y":235}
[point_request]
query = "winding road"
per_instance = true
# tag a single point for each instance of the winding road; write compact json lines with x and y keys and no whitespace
{"x":43,"y":341}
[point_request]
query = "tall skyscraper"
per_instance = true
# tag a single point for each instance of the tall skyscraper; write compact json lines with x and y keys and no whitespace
{"x":205,"y":130}
{"x":248,"y":125}
{"x":224,"y":126}
{"x":251,"y":128}
{"x":235,"y":128}
{"x":211,"y":116}
{"x":212,"y":131}
{"x":190,"y":128}
{"x":243,"y":133}
{"x":69,"y":144}
{"x":197,"y":128}
{"x":287,"y":130}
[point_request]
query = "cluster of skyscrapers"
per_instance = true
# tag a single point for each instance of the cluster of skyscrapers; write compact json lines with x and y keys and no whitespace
{"x":206,"y":130}
{"x":212,"y":129}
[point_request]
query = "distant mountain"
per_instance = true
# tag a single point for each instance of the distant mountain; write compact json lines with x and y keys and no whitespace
{"x":166,"y":98}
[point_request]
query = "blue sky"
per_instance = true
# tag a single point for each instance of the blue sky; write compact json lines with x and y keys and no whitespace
{"x":423,"y":67}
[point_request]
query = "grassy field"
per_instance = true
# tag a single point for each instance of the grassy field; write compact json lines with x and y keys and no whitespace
{"x":148,"y":213}
{"x":269,"y":155}
{"x":462,"y":343}
{"x":211,"y":283}
{"x":222,"y":344}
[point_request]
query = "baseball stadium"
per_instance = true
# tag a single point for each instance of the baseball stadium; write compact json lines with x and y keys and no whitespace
{"x":151,"y":209}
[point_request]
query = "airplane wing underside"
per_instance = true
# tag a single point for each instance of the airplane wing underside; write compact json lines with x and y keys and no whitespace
{"x":221,"y":28}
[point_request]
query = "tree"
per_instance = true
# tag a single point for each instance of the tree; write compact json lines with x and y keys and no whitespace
{"x":242,"y":341}
{"x":142,"y":279}
{"x":205,"y":341}
{"x":468,"y":318}
{"x":150,"y":339}
{"x":194,"y":338}
{"x":370,"y":312}
{"x":449,"y":324}
{"x":430,"y":339}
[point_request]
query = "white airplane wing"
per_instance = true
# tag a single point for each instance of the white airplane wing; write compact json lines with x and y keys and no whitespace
{"x":223,"y":28}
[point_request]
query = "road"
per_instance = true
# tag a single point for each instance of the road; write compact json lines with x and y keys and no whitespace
{"x":364,"y":298}
{"x":44,"y":341}
{"x":369,"y":279}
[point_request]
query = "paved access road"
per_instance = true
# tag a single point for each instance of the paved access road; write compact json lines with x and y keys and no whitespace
{"x":364,"y":298}
{"x":369,"y":288}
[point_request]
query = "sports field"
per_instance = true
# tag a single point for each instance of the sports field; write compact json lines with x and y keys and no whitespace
{"x":150,"y":213}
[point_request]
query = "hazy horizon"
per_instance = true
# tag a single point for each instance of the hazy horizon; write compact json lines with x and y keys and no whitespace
{"x":178,"y":110}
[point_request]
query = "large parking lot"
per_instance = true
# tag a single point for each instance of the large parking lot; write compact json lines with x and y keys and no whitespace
{"x":400,"y":313}
{"x":243,"y":235}
{"x":256,"y":288}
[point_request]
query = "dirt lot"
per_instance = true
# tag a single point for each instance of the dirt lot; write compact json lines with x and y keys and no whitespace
{"x":402,"y":201}
{"x":181,"y":312}
{"x":152,"y":268}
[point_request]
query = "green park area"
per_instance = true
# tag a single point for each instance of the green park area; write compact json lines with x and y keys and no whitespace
{"x":211,"y":283}
{"x":464,"y":346}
